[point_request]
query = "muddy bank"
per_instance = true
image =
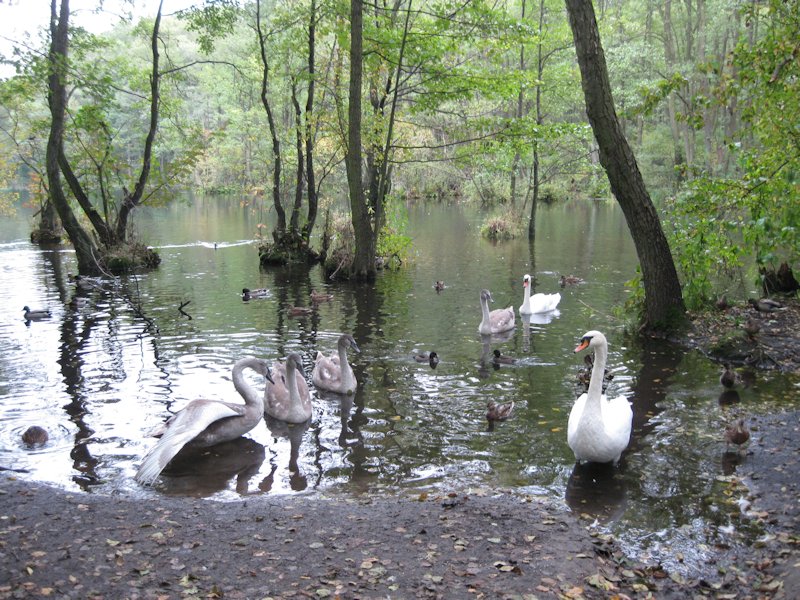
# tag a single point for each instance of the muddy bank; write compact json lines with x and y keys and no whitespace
{"x":459,"y":545}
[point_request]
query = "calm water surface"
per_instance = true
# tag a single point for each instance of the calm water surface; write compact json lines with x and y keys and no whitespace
{"x":99,"y":379}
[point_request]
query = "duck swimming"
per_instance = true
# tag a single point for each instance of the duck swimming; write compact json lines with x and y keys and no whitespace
{"x":499,"y":359}
{"x":317,"y":297}
{"x":248,"y":294}
{"x":333,"y":373}
{"x":538,"y":303}
{"x":569,"y":280}
{"x":737,"y":434}
{"x":36,"y":315}
{"x":427,"y":357}
{"x":496,"y":321}
{"x":299,"y":311}
{"x":35,"y":436}
{"x":287,"y":397}
{"x":729,"y":377}
{"x":498,"y":412}
{"x":438,"y":286}
{"x":598,"y":429}
{"x":203,"y":423}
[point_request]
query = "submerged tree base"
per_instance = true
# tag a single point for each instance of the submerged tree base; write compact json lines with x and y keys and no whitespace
{"x":286,"y":249}
{"x":46,"y":236}
{"x":129,"y":257}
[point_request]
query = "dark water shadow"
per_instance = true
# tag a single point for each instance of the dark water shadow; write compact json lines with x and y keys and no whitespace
{"x":204,"y":471}
{"x":293,"y":432}
{"x":598,"y":490}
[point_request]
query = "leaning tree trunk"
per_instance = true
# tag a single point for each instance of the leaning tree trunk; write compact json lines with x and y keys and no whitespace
{"x":663,"y":301}
{"x":57,"y":99}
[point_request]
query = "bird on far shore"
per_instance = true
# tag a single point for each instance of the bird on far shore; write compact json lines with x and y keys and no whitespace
{"x":751,"y":328}
{"x":729,"y":377}
{"x":766,"y":305}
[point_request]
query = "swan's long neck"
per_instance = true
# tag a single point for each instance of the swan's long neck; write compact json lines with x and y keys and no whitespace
{"x":252,"y":398}
{"x":485,"y":309}
{"x":598,"y":372}
{"x":526,"y":295}
{"x":296,"y":411}
{"x":344,"y":365}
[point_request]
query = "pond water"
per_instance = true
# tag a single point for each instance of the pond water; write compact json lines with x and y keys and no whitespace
{"x":98,"y":378}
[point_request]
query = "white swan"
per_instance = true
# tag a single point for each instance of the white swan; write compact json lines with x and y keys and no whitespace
{"x":495,"y":321}
{"x":203,"y":423}
{"x":287,"y":396}
{"x":598,"y":429}
{"x":538,"y":303}
{"x":333,"y":373}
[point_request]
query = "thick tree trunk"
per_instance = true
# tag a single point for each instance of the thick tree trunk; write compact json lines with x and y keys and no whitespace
{"x":85,"y":251}
{"x":663,"y":301}
{"x":363,"y":266}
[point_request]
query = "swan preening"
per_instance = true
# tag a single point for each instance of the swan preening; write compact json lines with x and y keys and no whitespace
{"x":333,"y":373}
{"x":287,"y":396}
{"x":538,"y":303}
{"x":203,"y":423}
{"x":496,"y":321}
{"x":598,"y":429}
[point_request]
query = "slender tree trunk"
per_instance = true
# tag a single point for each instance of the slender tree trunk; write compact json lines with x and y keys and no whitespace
{"x":670,"y":59}
{"x":311,"y":184}
{"x":294,"y":225}
{"x":57,"y":99}
{"x":363,"y":266}
{"x":663,"y":301}
{"x":131,"y":200}
{"x":280,"y":223}
{"x":539,"y":120}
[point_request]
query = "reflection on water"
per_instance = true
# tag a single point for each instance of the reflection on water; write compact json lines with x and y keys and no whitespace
{"x":99,"y":377}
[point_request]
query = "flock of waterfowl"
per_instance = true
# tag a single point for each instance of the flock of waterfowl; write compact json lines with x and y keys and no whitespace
{"x":598,"y":428}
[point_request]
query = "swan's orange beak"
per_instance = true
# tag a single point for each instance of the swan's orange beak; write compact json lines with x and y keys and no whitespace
{"x":583,"y":345}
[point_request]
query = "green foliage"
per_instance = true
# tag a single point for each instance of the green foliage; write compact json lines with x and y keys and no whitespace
{"x":720,"y":224}
{"x":393,"y":244}
{"x":213,"y":20}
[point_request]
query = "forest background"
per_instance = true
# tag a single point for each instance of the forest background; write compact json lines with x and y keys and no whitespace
{"x":478,"y":101}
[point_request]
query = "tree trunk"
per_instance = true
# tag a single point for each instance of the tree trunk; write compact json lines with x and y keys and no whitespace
{"x":363,"y":266}
{"x":57,"y":99}
{"x":663,"y":301}
{"x":670,"y":59}
{"x":294,"y":221}
{"x":539,"y":121}
{"x":280,"y":223}
{"x":310,"y":178}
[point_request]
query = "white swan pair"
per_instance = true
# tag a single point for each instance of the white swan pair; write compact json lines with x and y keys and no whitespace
{"x":599,"y":429}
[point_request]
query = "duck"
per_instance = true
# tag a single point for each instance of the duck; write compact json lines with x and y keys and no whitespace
{"x":751,"y":327}
{"x":432,"y":358}
{"x":722,"y":303}
{"x":203,"y":423}
{"x":729,"y":377}
{"x":35,"y":436}
{"x":498,"y":412}
{"x":599,"y":429}
{"x":438,"y":286}
{"x":736,"y":434}
{"x":496,"y":321}
{"x":500,"y":359}
{"x":299,"y":311}
{"x":766,"y":305}
{"x":287,"y":397}
{"x":569,"y":280}
{"x":36,"y":315}
{"x":248,"y":294}
{"x":538,"y":303}
{"x":81,"y":282}
{"x":333,"y":373}
{"x":317,"y":297}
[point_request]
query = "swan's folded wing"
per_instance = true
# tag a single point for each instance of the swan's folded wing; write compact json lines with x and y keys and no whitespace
{"x":182,"y":429}
{"x":618,"y":417}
